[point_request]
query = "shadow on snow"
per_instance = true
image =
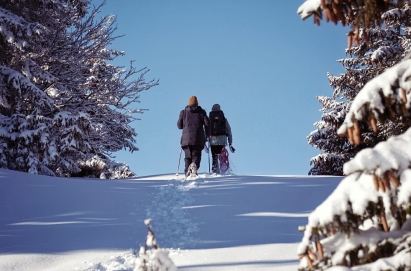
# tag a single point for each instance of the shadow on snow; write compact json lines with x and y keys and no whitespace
{"x":65,"y":214}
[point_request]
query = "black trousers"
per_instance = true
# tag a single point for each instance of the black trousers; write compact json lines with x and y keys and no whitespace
{"x":215,"y":151}
{"x":192,"y":155}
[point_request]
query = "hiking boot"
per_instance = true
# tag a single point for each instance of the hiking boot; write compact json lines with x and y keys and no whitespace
{"x":192,"y":169}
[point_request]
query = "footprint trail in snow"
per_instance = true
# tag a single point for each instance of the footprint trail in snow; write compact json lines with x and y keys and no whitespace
{"x":169,"y":220}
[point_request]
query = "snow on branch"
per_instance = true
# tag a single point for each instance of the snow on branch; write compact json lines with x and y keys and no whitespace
{"x":391,"y":155}
{"x":384,"y":97}
{"x":333,"y":111}
{"x":34,"y":72}
{"x":359,"y":251}
{"x":310,"y":7}
{"x":348,"y":222}
{"x":385,"y":52}
{"x":393,"y":14}
{"x":328,"y":163}
{"x":368,"y":216}
{"x":21,"y":84}
{"x":359,"y":13}
{"x":13,"y":27}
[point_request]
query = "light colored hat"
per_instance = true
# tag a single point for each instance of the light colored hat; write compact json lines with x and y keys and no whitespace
{"x":216,"y":107}
{"x":193,"y":100}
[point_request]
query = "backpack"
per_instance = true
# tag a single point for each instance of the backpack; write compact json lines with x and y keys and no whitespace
{"x":217,"y":123}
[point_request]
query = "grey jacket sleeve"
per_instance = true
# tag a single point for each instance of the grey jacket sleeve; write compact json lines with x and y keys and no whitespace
{"x":229,"y":134}
{"x":206,"y":125}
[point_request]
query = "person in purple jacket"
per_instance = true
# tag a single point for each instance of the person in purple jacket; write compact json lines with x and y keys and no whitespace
{"x":194,"y":122}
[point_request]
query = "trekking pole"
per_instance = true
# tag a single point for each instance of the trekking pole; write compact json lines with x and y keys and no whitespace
{"x":179,"y":159}
{"x":209,"y":157}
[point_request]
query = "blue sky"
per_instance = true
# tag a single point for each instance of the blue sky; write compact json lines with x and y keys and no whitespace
{"x":257,"y":59}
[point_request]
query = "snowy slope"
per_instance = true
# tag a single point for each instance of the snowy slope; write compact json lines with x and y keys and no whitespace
{"x":213,"y":223}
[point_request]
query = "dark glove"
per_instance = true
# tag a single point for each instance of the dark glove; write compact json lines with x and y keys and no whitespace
{"x":232,"y":149}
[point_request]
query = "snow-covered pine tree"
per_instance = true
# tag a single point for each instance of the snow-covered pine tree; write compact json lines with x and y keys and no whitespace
{"x":384,"y":48}
{"x":63,"y":107}
{"x":365,"y":223}
{"x":335,"y":151}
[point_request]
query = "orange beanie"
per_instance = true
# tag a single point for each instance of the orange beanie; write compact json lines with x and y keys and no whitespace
{"x":193,"y":100}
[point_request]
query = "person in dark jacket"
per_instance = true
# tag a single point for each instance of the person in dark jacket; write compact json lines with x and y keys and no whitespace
{"x":195,"y":124}
{"x":218,"y":139}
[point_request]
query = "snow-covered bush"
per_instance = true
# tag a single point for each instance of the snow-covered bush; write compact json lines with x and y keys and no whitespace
{"x":97,"y":167}
{"x":365,"y":224}
{"x":62,"y":102}
{"x":154,"y":259}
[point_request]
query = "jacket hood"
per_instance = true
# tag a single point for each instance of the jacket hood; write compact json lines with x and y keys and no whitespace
{"x":194,"y":108}
{"x":216,"y":107}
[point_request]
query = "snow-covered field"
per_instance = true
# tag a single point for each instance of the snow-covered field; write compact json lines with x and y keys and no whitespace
{"x":212,"y":223}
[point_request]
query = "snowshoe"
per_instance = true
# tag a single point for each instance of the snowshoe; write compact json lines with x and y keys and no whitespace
{"x":223,"y":161}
